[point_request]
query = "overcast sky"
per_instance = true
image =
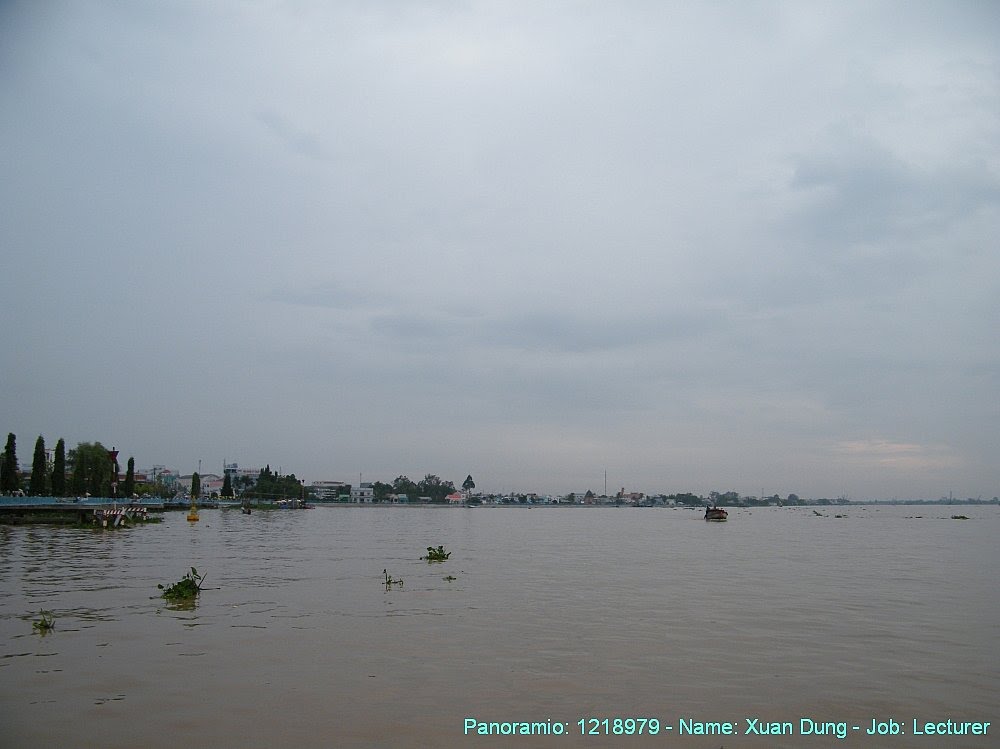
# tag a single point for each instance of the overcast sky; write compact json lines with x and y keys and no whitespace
{"x":700,"y":246}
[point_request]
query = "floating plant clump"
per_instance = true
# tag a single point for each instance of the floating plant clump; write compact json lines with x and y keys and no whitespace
{"x":187,"y":587}
{"x":45,"y":623}
{"x":436,"y":555}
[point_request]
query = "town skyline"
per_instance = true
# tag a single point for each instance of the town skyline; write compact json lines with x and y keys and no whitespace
{"x":149,"y":472}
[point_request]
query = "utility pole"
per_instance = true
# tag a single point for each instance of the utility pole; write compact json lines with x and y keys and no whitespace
{"x":113,"y":454}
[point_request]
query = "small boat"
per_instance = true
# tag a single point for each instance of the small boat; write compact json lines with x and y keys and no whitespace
{"x":716,"y":513}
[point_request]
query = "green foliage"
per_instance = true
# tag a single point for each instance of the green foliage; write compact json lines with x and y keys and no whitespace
{"x":195,"y":485}
{"x":10,"y":481}
{"x":688,"y":499}
{"x":156,"y":488}
{"x":38,"y":485}
{"x":403,"y":485}
{"x":92,"y":470}
{"x":468,"y":485}
{"x":58,"y":481}
{"x":432,"y":486}
{"x":437,"y":555}
{"x":242,"y":484}
{"x":271,"y":485}
{"x":186,"y":588}
{"x":129,"y":487}
{"x":227,"y":485}
{"x":44,"y":624}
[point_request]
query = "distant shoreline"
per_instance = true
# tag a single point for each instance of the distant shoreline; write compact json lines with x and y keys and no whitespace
{"x":227,"y":502}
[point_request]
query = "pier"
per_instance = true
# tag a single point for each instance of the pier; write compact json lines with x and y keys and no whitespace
{"x":84,"y":511}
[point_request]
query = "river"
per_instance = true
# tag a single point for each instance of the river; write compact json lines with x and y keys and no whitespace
{"x":562,"y":617}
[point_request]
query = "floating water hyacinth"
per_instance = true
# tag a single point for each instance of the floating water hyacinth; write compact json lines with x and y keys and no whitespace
{"x":436,"y":555}
{"x":186,"y":588}
{"x":45,"y":623}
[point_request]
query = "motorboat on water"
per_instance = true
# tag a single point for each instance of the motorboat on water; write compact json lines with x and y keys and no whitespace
{"x":716,"y":513}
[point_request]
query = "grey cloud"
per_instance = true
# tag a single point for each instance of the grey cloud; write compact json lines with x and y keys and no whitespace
{"x":864,"y":194}
{"x":592,"y":332}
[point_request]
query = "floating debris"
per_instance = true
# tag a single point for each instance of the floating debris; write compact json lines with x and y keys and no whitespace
{"x":186,"y":588}
{"x":436,"y":555}
{"x":389,"y":581}
{"x":44,"y":624}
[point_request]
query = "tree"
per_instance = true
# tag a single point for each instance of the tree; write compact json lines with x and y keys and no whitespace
{"x":432,"y":486}
{"x":195,"y":485}
{"x":129,"y":487}
{"x":9,"y":479}
{"x":271,"y":485}
{"x":242,"y":483}
{"x":688,"y":499}
{"x":37,"y":485}
{"x":92,"y":471}
{"x":265,"y":475}
{"x":227,"y":485}
{"x":58,"y":481}
{"x":157,"y":488}
{"x":468,"y":485}
{"x":403,"y":485}
{"x":78,"y":479}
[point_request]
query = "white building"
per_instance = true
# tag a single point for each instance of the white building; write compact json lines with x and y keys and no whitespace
{"x":241,"y":478}
{"x":363,"y":494}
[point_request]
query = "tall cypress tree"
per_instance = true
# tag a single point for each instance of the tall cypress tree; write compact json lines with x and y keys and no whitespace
{"x":130,"y":478}
{"x":9,"y":480}
{"x":58,"y":482}
{"x":37,"y":486}
{"x":195,"y":485}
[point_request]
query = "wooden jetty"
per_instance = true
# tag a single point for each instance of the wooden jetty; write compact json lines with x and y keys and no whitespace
{"x":106,"y":513}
